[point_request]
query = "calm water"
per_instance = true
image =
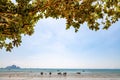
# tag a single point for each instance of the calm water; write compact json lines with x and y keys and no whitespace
{"x":63,"y":70}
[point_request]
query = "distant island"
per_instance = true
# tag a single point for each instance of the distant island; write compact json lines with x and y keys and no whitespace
{"x":12,"y":67}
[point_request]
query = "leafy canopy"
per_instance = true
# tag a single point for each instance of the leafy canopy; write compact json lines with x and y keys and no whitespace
{"x":17,"y":19}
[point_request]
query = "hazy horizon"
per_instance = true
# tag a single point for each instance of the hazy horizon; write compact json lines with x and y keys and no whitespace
{"x":52,"y":68}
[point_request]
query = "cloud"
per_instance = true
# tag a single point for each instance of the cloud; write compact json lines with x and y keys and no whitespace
{"x":53,"y":46}
{"x":55,"y":55}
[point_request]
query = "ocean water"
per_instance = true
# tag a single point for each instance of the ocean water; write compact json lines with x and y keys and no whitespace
{"x":39,"y":72}
{"x":46,"y":70}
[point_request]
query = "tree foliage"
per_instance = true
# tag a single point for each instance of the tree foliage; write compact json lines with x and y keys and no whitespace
{"x":17,"y":19}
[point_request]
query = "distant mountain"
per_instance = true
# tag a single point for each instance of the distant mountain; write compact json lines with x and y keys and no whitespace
{"x":12,"y":67}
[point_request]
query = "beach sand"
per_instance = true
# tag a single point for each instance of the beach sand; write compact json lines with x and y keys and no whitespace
{"x":55,"y":76}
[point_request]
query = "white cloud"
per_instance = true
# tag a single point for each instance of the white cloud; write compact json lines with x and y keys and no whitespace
{"x":53,"y":46}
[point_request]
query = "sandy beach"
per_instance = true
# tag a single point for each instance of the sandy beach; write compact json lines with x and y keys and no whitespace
{"x":55,"y":76}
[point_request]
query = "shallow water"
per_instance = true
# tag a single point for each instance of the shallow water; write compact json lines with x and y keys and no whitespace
{"x":79,"y":73}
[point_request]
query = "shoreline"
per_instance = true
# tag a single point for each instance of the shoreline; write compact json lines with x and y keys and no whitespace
{"x":56,"y":76}
{"x":59,"y":74}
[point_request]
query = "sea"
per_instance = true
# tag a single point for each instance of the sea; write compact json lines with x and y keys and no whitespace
{"x":57,"y":70}
{"x":46,"y":72}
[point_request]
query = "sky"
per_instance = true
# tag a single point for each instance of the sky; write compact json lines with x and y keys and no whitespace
{"x":52,"y":46}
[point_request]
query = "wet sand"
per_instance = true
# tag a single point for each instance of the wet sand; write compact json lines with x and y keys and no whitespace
{"x":56,"y":76}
